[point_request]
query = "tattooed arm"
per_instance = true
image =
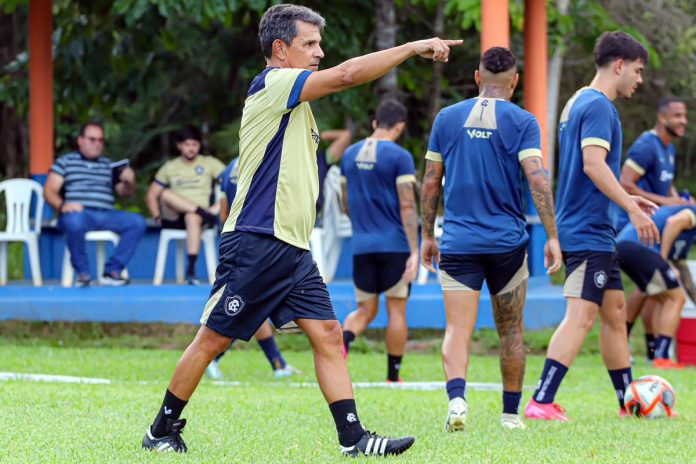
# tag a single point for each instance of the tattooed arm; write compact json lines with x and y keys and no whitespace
{"x":540,"y":188}
{"x":409,"y":219}
{"x":430,"y":203}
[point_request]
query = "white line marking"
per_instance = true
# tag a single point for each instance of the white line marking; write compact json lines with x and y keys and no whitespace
{"x":51,"y":378}
{"x":409,"y":386}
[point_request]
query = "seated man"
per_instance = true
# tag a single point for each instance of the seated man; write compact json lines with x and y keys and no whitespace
{"x":81,"y":188}
{"x":180,"y":196}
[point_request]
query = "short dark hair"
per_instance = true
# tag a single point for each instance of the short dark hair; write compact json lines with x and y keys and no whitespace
{"x":664,"y":102}
{"x":280,"y":22}
{"x":188,"y":133}
{"x":618,"y":45}
{"x":91,"y":123}
{"x":498,"y":59}
{"x":389,"y":114}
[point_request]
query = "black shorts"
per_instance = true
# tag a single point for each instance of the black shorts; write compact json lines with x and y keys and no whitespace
{"x":261,"y":277}
{"x":180,"y":223}
{"x":650,"y":272}
{"x":502,"y":271}
{"x":590,"y":273}
{"x":375,"y":273}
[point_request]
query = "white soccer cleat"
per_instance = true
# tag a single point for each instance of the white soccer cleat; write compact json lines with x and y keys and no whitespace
{"x":213,"y":371}
{"x":287,"y":371}
{"x":456,"y":417}
{"x":512,"y":421}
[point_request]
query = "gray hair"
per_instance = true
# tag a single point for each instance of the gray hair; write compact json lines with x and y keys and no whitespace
{"x":280,"y":22}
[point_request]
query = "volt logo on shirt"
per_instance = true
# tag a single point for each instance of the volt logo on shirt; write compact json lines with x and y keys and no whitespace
{"x":479,"y":134}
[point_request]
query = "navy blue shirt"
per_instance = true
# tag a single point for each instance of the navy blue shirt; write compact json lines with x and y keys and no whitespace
{"x":372,"y":169}
{"x":86,"y":181}
{"x":228,"y":180}
{"x":586,"y":218}
{"x":682,"y":245}
{"x":481,"y":142}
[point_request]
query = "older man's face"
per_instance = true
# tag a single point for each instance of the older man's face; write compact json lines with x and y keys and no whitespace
{"x":91,"y":143}
{"x":304,"y":52}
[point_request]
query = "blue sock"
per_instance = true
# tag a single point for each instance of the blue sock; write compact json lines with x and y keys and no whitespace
{"x":662,"y":344}
{"x":270,"y":349}
{"x":621,"y":379}
{"x":511,"y":402}
{"x":456,"y":388}
{"x":551,"y":378}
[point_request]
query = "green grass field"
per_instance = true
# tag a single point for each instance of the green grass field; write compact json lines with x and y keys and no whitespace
{"x":268,"y":421}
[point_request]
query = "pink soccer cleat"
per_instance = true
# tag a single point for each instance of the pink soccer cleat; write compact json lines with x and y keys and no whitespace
{"x":623,"y":413}
{"x":539,"y":411}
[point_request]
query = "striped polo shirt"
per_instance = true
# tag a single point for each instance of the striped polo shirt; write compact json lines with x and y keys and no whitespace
{"x":87,"y":182}
{"x":278,"y":178}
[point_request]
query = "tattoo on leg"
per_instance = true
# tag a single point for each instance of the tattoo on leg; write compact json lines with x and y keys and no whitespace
{"x":508,"y":309}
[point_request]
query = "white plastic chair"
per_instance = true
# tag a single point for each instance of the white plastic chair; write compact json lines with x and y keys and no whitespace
{"x":101,"y":237}
{"x":423,"y":272}
{"x":18,"y":193}
{"x":208,"y":237}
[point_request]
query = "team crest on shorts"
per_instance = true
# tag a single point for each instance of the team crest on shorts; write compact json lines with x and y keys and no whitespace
{"x":233,"y":304}
{"x":600,"y":279}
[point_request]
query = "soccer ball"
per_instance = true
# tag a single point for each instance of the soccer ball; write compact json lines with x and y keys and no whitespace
{"x":651,"y":397}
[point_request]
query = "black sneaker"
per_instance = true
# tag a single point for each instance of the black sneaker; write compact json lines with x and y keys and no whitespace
{"x":113,"y":279}
{"x":372,"y":444}
{"x":192,"y":280}
{"x":83,"y":280}
{"x":170,"y":442}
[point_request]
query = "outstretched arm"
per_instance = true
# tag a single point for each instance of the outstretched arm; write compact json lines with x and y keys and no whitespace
{"x":540,"y":188}
{"x":430,"y":203}
{"x":367,"y":68}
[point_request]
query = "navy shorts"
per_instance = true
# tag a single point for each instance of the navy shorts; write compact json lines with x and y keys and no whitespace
{"x":590,"y":273}
{"x":375,"y":273}
{"x":261,"y":277}
{"x":650,"y":272}
{"x":502,"y":271}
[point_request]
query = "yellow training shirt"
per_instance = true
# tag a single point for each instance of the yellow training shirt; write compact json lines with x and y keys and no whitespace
{"x":278,"y":182}
{"x":191,"y":180}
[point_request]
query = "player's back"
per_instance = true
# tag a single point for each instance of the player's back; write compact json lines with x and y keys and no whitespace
{"x":372,"y":169}
{"x":481,"y":142}
{"x":586,"y":217}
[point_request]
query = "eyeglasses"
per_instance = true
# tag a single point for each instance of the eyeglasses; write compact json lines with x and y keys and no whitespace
{"x":95,"y":139}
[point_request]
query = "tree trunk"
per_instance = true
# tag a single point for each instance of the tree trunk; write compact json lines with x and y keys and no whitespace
{"x":555,"y":71}
{"x":385,"y":34}
{"x":10,"y":134}
{"x":438,"y":31}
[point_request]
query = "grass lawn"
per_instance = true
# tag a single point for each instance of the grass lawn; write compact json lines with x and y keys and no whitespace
{"x":267,"y":421}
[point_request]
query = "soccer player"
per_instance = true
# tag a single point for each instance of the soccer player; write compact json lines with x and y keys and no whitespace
{"x":379,"y":180}
{"x":656,"y":280}
{"x":587,"y":197}
{"x":649,"y":172}
{"x":266,"y":269}
{"x":482,"y":146}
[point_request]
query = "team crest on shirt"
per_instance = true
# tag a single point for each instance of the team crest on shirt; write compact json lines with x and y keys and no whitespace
{"x":600,"y":279}
{"x":233,"y":304}
{"x":199,"y":170}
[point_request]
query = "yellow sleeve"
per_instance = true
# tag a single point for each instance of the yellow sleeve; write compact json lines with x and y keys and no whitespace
{"x":284,"y":86}
{"x":162,"y":176}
